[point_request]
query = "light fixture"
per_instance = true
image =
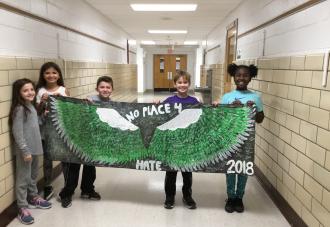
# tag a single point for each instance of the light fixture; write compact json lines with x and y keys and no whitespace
{"x":148,"y":42}
{"x":190,"y":42}
{"x":167,"y":31}
{"x":164,"y":7}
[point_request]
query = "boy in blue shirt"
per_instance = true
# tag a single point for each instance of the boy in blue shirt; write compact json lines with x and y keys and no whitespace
{"x":241,"y":96}
{"x":181,"y":83}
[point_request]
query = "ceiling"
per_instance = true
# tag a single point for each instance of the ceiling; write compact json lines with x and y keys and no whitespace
{"x":199,"y":23}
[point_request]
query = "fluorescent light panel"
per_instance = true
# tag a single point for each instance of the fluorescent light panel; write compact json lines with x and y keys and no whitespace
{"x":167,"y":31}
{"x":148,"y":42}
{"x":164,"y":7}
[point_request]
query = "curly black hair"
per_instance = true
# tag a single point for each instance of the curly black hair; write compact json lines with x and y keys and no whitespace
{"x":232,"y":69}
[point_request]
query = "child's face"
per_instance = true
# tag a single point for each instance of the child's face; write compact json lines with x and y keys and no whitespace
{"x":51,"y":76}
{"x":182,"y":86}
{"x":104,"y":89}
{"x":27,"y":92}
{"x":242,"y":78}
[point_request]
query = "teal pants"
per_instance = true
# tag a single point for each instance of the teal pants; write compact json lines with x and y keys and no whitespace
{"x":236,"y":189}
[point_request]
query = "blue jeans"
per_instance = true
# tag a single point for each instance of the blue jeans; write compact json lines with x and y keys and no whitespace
{"x":234,"y":192}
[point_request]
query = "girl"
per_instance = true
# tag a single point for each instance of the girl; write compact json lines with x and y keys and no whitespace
{"x":23,"y":121}
{"x":50,"y":83}
{"x":242,"y":76}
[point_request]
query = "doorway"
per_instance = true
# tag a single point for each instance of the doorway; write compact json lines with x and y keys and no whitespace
{"x":231,"y":40}
{"x":165,"y":67}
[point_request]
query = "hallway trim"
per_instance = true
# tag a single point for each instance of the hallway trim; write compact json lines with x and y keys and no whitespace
{"x":47,"y":21}
{"x":282,"y":16}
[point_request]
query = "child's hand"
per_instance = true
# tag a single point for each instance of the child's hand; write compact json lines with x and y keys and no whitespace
{"x":27,"y":158}
{"x":250,"y":104}
{"x":215,"y":103}
{"x":44,"y":97}
{"x":237,"y":103}
{"x":87,"y":101}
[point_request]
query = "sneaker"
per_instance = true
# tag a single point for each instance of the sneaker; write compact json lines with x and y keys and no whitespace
{"x":230,"y":205}
{"x":90,"y":195}
{"x":24,"y":216}
{"x":38,"y":202}
{"x":169,"y":202}
{"x":189,"y":202}
{"x":238,"y":205}
{"x":65,"y":202}
{"x":48,"y":192}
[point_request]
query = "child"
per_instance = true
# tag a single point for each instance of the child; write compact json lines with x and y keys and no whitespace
{"x":181,"y":83}
{"x":242,"y":76}
{"x":23,"y":121}
{"x":104,"y":87}
{"x":50,"y":83}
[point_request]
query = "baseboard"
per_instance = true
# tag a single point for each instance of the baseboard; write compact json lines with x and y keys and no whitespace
{"x":10,"y":212}
{"x":291,"y":216}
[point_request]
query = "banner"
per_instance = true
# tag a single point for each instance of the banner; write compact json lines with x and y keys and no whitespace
{"x":153,"y":137}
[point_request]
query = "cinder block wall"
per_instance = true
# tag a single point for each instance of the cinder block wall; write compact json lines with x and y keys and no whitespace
{"x":293,"y":142}
{"x":217,"y":79}
{"x":79,"y":77}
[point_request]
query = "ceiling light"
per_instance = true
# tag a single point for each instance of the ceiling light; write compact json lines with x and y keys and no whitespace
{"x":148,"y":42}
{"x":190,"y":42}
{"x":167,"y":31}
{"x":164,"y":7}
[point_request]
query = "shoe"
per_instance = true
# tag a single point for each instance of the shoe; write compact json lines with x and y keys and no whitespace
{"x":238,"y":205}
{"x":65,"y":202}
{"x":24,"y":216}
{"x":38,"y":202}
{"x":48,"y":192}
{"x":91,"y":195}
{"x":230,"y":205}
{"x":189,"y":202}
{"x":169,"y":202}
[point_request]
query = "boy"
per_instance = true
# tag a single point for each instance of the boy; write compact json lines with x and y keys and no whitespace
{"x":104,"y":87}
{"x":181,"y":83}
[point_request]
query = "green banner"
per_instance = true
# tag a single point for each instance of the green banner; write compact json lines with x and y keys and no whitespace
{"x":152,"y":137}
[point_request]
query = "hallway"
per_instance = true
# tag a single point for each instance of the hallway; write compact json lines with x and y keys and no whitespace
{"x":141,"y":45}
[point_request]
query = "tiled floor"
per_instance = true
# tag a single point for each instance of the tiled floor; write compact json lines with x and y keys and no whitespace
{"x":135,"y":198}
{"x":132,"y":198}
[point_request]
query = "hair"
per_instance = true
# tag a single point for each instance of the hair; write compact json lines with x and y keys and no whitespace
{"x":17,"y":99}
{"x":106,"y":79}
{"x":42,"y":82}
{"x":233,"y":68}
{"x":183,"y":74}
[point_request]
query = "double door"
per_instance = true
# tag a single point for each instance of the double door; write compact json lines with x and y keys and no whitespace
{"x":165,"y":67}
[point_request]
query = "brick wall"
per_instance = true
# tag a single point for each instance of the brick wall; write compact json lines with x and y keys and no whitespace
{"x":79,"y":77}
{"x":293,"y":142}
